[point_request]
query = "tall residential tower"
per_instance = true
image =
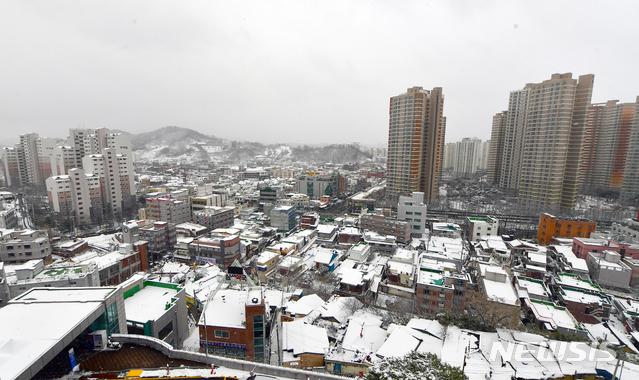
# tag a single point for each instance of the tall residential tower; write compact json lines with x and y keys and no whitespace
{"x":416,"y":137}
{"x":543,"y":139}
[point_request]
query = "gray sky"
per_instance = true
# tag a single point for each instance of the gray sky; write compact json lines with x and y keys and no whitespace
{"x":295,"y":71}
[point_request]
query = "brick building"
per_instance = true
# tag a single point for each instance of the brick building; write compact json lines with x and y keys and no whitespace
{"x":240,"y":330}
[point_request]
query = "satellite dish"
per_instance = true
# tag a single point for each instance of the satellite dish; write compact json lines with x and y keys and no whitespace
{"x":125,"y":230}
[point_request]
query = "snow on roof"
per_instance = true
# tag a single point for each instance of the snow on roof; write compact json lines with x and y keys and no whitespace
{"x":396,"y":266}
{"x":304,"y":305}
{"x":399,"y":343}
{"x":600,"y":331}
{"x":97,"y":294}
{"x":103,"y":260}
{"x":149,"y":303}
{"x":428,"y":325}
{"x":303,"y":338}
{"x":340,"y":308}
{"x":581,"y":296}
{"x":537,"y":258}
{"x":29,"y":331}
{"x":501,"y":292}
{"x":350,"y":276}
{"x":455,"y":345}
{"x":38,"y":320}
{"x":174,"y":267}
{"x":575,"y":262}
{"x":567,"y":279}
{"x":326,"y":229}
{"x":289,"y":261}
{"x":404,"y":254}
{"x":266,"y":256}
{"x":350,"y":231}
{"x":275,"y":298}
{"x":552,"y":314}
{"x":431,"y":275}
{"x":324,"y":256}
{"x":530,"y":286}
{"x":363,"y":335}
{"x":226,"y":309}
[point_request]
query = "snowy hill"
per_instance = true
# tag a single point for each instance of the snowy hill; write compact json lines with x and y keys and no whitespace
{"x":174,"y":144}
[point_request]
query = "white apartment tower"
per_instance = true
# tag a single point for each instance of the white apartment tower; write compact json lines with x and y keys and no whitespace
{"x":118,"y":192}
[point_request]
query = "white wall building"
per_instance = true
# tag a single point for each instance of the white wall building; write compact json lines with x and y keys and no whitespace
{"x":413,"y":208}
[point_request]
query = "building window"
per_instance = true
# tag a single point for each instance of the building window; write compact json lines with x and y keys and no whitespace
{"x":222,"y":334}
{"x":166,"y":330}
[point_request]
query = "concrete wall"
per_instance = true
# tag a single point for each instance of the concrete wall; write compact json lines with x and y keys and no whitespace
{"x":240,"y":365}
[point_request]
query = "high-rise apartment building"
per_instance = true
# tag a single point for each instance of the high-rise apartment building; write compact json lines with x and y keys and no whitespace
{"x":20,"y":163}
{"x":543,"y":139}
{"x":464,"y":157}
{"x":606,"y":146}
{"x":76,"y":194}
{"x":116,"y":184}
{"x":496,"y":149}
{"x":34,"y":159}
{"x":416,"y":138}
{"x":630,"y":185}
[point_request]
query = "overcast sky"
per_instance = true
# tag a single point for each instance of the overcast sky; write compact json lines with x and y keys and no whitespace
{"x":296,"y":71}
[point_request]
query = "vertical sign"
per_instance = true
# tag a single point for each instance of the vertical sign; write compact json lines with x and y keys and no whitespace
{"x":72,"y":359}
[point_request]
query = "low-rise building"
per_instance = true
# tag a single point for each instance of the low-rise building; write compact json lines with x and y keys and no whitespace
{"x":190,"y":230}
{"x":310,"y":220}
{"x":213,"y":217}
{"x":608,"y":270}
{"x":284,"y":218}
{"x":327,"y":234}
{"x":304,"y":345}
{"x":438,"y":288}
{"x":240,"y":330}
{"x":156,"y":309}
{"x":551,"y":226}
{"x":161,"y":236}
{"x":400,"y":229}
{"x":20,"y":246}
{"x":33,"y":274}
{"x":527,"y":287}
{"x":266,"y":263}
{"x":8,"y":218}
{"x":413,"y":209}
{"x":214,"y":248}
{"x":168,"y":209}
{"x":349,"y":235}
{"x":477,"y":228}
{"x":118,"y":265}
{"x":495,"y":284}
{"x":549,"y":316}
{"x":581,"y":247}
{"x":585,"y":306}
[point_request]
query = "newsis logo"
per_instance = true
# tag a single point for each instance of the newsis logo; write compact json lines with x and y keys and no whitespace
{"x":547,"y":352}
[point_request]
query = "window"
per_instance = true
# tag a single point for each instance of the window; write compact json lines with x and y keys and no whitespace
{"x":166,"y":330}
{"x":222,"y":334}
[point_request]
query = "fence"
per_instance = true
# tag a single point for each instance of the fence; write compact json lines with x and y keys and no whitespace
{"x":242,"y":365}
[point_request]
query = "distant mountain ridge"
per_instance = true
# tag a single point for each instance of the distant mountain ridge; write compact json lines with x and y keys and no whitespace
{"x":176,"y":144}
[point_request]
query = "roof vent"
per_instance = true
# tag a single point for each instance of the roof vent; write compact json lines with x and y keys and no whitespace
{"x":254,"y":300}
